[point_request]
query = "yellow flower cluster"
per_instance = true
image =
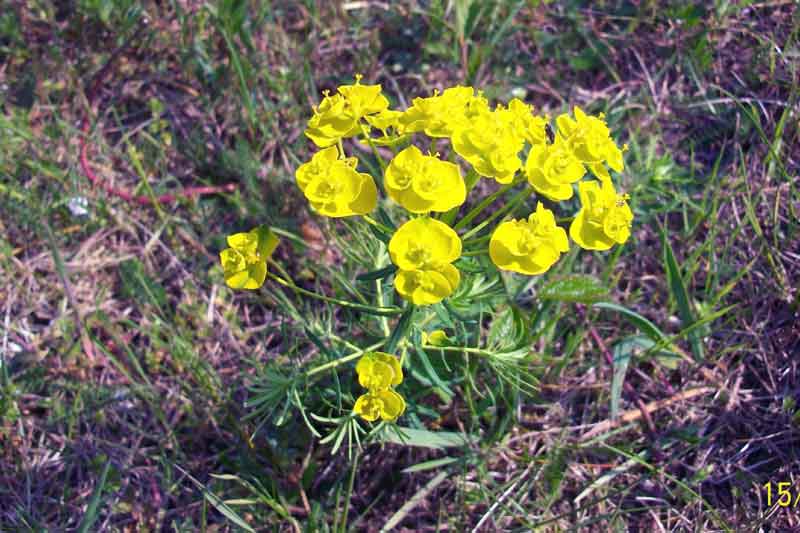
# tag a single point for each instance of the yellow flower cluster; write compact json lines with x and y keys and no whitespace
{"x":423,"y":250}
{"x":379,"y":372}
{"x":493,"y":143}
{"x":333,"y":187}
{"x":244,"y":264}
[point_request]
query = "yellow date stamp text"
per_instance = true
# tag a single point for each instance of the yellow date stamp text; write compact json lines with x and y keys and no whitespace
{"x":783,"y":493}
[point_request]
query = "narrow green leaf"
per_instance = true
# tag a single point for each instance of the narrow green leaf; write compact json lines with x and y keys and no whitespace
{"x":430,"y":372}
{"x":425,"y":438}
{"x":623,"y":351}
{"x":377,"y":274}
{"x":554,"y":471}
{"x":218,"y":504}
{"x":382,"y":236}
{"x":430,"y":465}
{"x":90,"y":517}
{"x":319,"y":344}
{"x":137,"y":285}
{"x":401,"y":329}
{"x":678,"y":289}
{"x":507,"y":330}
{"x":578,"y":288}
{"x":647,"y":327}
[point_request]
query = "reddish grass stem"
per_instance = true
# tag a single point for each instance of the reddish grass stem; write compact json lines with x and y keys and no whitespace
{"x":142,"y":199}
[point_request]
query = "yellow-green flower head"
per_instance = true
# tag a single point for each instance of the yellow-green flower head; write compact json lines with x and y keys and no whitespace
{"x":334,"y":187}
{"x":552,"y":169}
{"x":441,"y":114}
{"x":423,"y":243}
{"x":428,"y":286}
{"x":332,"y":121}
{"x":604,"y":219}
{"x":423,"y":183}
{"x":529,"y":247}
{"x":491,"y":145}
{"x":384,"y":404}
{"x":363,"y":100}
{"x":525,"y":124}
{"x":378,"y":371}
{"x":245,"y":263}
{"x":590,"y":139}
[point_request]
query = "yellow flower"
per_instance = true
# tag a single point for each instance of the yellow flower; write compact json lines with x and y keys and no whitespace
{"x":334,"y":187}
{"x":423,"y":183}
{"x":440,"y":115}
{"x":590,"y":139}
{"x":424,"y":242}
{"x":552,"y":168}
{"x":245,"y":263}
{"x":378,"y":371}
{"x":388,"y":118}
{"x":338,"y":115}
{"x":363,"y":100}
{"x":525,"y":124}
{"x":386,"y":404}
{"x":491,"y":145}
{"x":319,"y":165}
{"x":423,"y":249}
{"x":427,"y":286}
{"x":604,"y":219}
{"x":528,"y":247}
{"x":331,"y":121}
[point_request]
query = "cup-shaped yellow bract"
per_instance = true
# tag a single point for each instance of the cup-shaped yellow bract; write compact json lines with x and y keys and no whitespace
{"x":385,"y":404}
{"x":427,"y":286}
{"x":388,"y":118}
{"x":524,"y":123}
{"x":423,"y":249}
{"x":590,"y":139}
{"x":331,"y":121}
{"x":423,"y":183}
{"x":604,"y":219}
{"x":334,"y":187}
{"x":245,"y":263}
{"x":363,"y":100}
{"x":441,"y":114}
{"x":528,"y":246}
{"x":424,"y":242}
{"x":379,"y":370}
{"x":491,"y":145}
{"x":319,"y":165}
{"x":552,"y":169}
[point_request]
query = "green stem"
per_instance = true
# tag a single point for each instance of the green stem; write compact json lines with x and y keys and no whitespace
{"x":470,"y":243}
{"x":379,"y":292}
{"x":482,"y":251}
{"x":375,"y":152}
{"x":381,"y":311}
{"x":342,"y":360}
{"x":510,"y":206}
{"x":481,"y":206}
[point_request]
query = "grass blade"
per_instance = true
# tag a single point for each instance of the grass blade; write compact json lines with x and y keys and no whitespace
{"x":91,"y":510}
{"x":678,"y":289}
